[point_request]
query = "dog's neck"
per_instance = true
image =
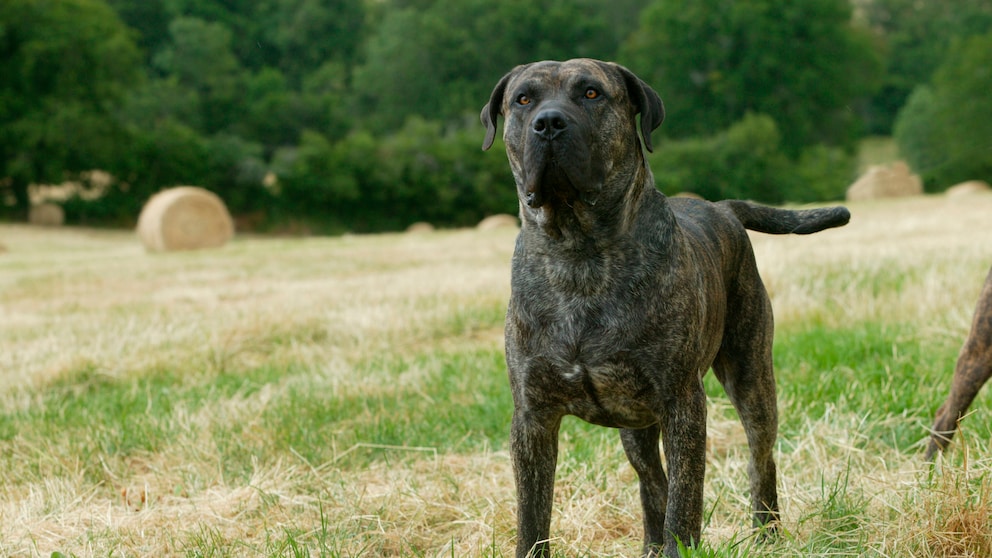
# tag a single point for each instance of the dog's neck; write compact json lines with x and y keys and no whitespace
{"x":582,"y":246}
{"x":579,"y":227}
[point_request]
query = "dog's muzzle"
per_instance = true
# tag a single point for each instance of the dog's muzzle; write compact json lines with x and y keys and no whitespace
{"x":557,"y":161}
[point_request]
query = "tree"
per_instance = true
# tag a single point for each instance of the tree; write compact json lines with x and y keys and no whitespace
{"x":802,"y":63}
{"x":200,"y":59}
{"x":441,"y":62}
{"x":917,"y":35}
{"x":66,"y":65}
{"x":310,"y":33}
{"x":746,"y":161}
{"x":149,"y":18}
{"x":945,"y":130}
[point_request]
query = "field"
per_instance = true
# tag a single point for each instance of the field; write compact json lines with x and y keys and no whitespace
{"x":347,"y":397}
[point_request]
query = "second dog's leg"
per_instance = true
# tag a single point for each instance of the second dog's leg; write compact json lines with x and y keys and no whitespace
{"x":973,"y":369}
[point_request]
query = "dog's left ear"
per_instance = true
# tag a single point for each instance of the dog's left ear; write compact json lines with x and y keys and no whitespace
{"x":648,"y":103}
{"x":491,"y":111}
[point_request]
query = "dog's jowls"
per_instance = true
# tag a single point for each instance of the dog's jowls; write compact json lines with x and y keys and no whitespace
{"x":622,"y":299}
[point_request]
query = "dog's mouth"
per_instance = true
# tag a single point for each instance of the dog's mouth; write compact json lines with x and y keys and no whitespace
{"x":549,"y":185}
{"x":555,"y":176}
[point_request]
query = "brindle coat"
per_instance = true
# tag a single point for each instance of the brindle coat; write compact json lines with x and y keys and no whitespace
{"x":622,"y":299}
{"x":973,"y":369}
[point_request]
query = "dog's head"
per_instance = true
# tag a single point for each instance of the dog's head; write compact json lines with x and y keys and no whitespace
{"x":571,"y":129}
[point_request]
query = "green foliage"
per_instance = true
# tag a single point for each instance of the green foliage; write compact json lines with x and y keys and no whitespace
{"x":802,"y":63}
{"x":169,"y":152}
{"x":420,"y":173}
{"x":916,"y":36}
{"x":65,"y":67}
{"x":366,"y":111}
{"x":309,"y":33}
{"x":917,"y":135}
{"x":822,"y":173}
{"x":200,"y":59}
{"x":442,"y":61}
{"x":944,"y":131}
{"x":746,"y":161}
{"x":318,"y":176}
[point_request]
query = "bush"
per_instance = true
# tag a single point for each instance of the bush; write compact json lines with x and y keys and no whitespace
{"x":746,"y":162}
{"x":742,"y":162}
{"x":420,"y":173}
{"x":822,"y":173}
{"x":918,"y":134}
{"x":944,"y":129}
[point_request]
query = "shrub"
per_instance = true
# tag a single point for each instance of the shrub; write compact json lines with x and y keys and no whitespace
{"x":944,"y":129}
{"x":420,"y":173}
{"x":822,"y":173}
{"x":746,"y":162}
{"x":741,"y":162}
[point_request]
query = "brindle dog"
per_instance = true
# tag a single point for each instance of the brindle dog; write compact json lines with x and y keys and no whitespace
{"x":622,"y":299}
{"x":973,"y":369}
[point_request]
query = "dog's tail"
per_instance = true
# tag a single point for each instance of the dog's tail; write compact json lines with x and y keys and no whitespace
{"x":773,"y":220}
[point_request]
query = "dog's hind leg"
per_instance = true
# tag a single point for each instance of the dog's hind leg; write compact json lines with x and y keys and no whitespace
{"x":751,"y":387}
{"x":744,"y":367}
{"x":641,"y":447}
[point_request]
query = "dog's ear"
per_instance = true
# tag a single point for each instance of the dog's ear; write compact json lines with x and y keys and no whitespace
{"x":492,"y":110}
{"x":648,"y":103}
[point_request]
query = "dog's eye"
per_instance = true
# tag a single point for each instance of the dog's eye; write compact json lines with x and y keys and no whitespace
{"x":591,"y":93}
{"x":523,"y":100}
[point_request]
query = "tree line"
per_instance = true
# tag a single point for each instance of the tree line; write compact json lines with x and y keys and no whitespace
{"x":362,"y":115}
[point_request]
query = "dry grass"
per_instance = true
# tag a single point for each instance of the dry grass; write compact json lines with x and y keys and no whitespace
{"x":231,"y":356}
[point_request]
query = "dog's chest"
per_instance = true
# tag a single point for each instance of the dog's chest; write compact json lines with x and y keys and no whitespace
{"x":597,"y":358}
{"x":606,"y":336}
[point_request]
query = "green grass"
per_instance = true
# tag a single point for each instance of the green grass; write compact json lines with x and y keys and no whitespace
{"x":877,"y":370}
{"x":348,"y":397}
{"x":460,"y":404}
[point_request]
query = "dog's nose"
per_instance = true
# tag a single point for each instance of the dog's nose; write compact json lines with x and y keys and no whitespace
{"x":549,"y":123}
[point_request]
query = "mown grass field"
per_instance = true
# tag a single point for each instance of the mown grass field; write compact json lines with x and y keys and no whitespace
{"x":347,"y":397}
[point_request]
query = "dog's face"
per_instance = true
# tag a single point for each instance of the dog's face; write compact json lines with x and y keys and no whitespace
{"x":571,"y":129}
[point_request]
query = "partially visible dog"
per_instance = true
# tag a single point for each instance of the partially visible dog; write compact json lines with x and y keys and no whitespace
{"x":974,"y":367}
{"x":622,"y":299}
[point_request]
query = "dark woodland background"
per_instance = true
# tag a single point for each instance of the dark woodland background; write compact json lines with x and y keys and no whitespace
{"x":362,"y":115}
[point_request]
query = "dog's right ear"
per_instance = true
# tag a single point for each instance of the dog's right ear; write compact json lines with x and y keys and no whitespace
{"x":491,"y":111}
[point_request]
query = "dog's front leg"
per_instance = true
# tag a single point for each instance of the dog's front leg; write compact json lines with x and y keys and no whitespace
{"x":534,"y":451}
{"x":684,"y":440}
{"x":641,"y":447}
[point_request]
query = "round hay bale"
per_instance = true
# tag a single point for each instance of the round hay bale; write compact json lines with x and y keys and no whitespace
{"x":184,"y":218}
{"x":46,"y":214}
{"x":690,"y":195}
{"x":968,"y":188}
{"x":420,"y":227}
{"x":885,"y":182}
{"x":498,"y":221}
